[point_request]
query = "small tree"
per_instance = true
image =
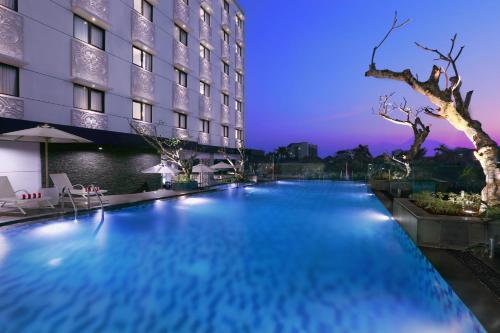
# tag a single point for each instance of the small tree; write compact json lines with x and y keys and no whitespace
{"x":450,"y":104}
{"x":404,"y":115}
{"x":239,"y":165}
{"x":171,"y":150}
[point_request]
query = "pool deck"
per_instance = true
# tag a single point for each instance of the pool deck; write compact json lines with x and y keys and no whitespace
{"x":12,"y":216}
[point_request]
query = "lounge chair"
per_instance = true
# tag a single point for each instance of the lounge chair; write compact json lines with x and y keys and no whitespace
{"x":10,"y":197}
{"x":63,"y":184}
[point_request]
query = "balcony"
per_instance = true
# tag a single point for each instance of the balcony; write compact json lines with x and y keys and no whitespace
{"x":181,"y":55}
{"x":11,"y":107}
{"x":225,"y":20}
{"x":181,"y":98}
{"x":95,"y":11}
{"x":143,"y":32}
{"x":205,"y":33}
{"x":181,"y":13}
{"x":239,"y":91}
{"x":143,"y":127}
{"x":11,"y":37}
{"x":224,"y":142}
{"x":239,"y":143}
{"x":205,"y":71}
{"x":225,"y":83}
{"x":224,"y":117}
{"x":89,"y":65}
{"x":207,"y":4}
{"x":205,"y":107}
{"x":180,"y":133}
{"x":89,"y":119}
{"x":239,"y":119}
{"x":239,"y":64}
{"x":204,"y":138}
{"x":225,"y":51}
{"x":143,"y":85}
{"x":240,"y":38}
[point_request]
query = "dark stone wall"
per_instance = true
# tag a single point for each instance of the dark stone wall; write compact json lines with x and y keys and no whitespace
{"x":114,"y":168}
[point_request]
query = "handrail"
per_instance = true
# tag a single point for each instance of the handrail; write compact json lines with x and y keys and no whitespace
{"x":98,"y":195}
{"x":68,"y":191}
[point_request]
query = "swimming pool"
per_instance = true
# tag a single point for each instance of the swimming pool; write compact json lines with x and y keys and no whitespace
{"x":282,"y":257}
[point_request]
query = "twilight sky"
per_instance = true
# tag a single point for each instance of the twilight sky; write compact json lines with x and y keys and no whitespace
{"x":306,"y":60}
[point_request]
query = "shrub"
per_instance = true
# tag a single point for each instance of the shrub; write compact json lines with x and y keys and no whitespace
{"x":448,"y":203}
{"x":493,"y":212}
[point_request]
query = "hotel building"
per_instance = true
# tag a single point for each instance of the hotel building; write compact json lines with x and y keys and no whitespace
{"x":176,"y":66}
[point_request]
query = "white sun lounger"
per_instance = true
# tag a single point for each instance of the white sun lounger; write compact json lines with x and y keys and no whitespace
{"x":62,"y":183}
{"x":9,"y":197}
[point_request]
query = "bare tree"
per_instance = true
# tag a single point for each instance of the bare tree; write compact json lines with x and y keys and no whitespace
{"x":239,"y":165}
{"x":450,"y":105}
{"x":404,"y":115}
{"x":170,"y":149}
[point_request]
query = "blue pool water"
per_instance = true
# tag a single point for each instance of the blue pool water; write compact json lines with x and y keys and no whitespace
{"x":286,"y":257}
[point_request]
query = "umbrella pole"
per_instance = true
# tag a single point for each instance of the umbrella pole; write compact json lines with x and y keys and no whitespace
{"x":46,"y":164}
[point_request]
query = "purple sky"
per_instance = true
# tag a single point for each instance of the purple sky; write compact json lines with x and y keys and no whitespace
{"x":306,"y":60}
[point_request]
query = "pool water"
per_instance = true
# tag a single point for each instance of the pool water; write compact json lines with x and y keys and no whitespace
{"x":283,"y":257}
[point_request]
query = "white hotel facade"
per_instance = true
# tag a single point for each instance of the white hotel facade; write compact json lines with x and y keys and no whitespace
{"x":102,"y":64}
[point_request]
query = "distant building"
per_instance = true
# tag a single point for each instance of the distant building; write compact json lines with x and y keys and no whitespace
{"x":302,"y":151}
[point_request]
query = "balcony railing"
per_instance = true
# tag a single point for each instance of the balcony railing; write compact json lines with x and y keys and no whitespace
{"x":239,"y":64}
{"x":205,"y":107}
{"x":225,"y":20}
{"x":204,"y":138}
{"x":181,"y":98}
{"x":95,"y":11}
{"x":225,"y":51}
{"x":143,"y":127}
{"x":225,"y":83}
{"x":225,"y":116}
{"x":180,"y":133}
{"x":224,"y":142}
{"x":205,"y":33}
{"x":181,"y":13}
{"x":143,"y":84}
{"x":11,"y":107}
{"x":205,"y":70}
{"x":181,"y":55}
{"x":240,"y":37}
{"x":239,"y":143}
{"x":143,"y":32}
{"x":89,"y":119}
{"x":239,"y":119}
{"x":11,"y":37}
{"x":207,"y":4}
{"x":89,"y":65}
{"x":239,"y":91}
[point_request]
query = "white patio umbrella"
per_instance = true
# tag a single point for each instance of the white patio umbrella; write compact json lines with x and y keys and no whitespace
{"x":45,"y":134}
{"x":221,"y":166}
{"x":162,"y":169}
{"x":201,"y":169}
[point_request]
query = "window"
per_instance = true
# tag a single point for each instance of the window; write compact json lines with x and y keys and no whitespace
{"x":225,"y":99}
{"x":225,"y":131}
{"x":204,"y":52}
{"x":142,"y":59}
{"x":181,"y":121}
{"x":239,"y":22}
{"x":142,"y":111}
{"x":239,"y":78}
{"x":88,"y":98}
{"x":239,"y":134}
{"x":204,"y":89}
{"x":9,"y":80}
{"x":239,"y":106}
{"x":88,"y":32}
{"x":225,"y":37}
{"x":239,"y":50}
{"x":182,"y":77}
{"x":143,"y":7}
{"x":181,"y":35}
{"x":205,"y":126}
{"x":204,"y":16}
{"x":225,"y":68}
{"x":226,"y":7}
{"x":12,"y":4}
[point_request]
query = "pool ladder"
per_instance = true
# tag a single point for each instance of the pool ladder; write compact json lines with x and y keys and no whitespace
{"x":66,"y":191}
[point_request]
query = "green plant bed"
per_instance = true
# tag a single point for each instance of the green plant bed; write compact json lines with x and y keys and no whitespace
{"x":185,"y":186}
{"x":448,"y":203}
